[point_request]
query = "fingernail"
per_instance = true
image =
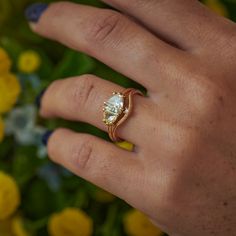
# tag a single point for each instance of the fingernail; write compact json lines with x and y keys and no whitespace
{"x":38,"y":99}
{"x":46,"y":137}
{"x":34,"y":11}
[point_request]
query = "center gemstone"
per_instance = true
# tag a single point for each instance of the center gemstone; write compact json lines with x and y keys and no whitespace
{"x":113,"y":108}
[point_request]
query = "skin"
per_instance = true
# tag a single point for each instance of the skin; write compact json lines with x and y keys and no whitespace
{"x":182,"y":173}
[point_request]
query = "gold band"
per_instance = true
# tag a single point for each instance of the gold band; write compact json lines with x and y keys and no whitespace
{"x":121,"y":113}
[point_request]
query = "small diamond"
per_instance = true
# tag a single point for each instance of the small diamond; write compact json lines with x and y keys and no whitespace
{"x":113,"y":108}
{"x":126,"y":110}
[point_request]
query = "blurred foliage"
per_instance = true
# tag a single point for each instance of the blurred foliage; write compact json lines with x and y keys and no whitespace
{"x":46,"y":188}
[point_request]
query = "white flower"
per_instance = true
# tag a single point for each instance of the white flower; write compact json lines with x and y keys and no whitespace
{"x":21,"y":123}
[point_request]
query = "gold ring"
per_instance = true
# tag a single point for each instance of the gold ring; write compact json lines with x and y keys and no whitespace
{"x":117,"y":109}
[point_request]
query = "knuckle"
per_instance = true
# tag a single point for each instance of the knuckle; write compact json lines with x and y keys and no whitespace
{"x":227,"y":39}
{"x":82,"y":91}
{"x":171,"y":197}
{"x":208,"y":97}
{"x":105,"y":27}
{"x":82,"y":153}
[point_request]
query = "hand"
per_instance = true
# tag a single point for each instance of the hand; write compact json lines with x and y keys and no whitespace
{"x":182,"y":173}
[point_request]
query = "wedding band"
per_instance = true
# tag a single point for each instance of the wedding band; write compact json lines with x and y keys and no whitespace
{"x":117,"y":109}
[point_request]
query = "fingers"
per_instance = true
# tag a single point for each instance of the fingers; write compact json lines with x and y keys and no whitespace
{"x":97,"y":161}
{"x":110,"y":37}
{"x":188,"y":24}
{"x":82,"y":98}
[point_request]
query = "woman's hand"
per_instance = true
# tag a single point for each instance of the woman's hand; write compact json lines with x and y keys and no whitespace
{"x":182,"y":173}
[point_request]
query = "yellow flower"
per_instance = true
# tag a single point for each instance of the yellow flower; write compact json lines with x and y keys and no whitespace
{"x":70,"y":222}
{"x":5,"y":62}
{"x":5,"y":228}
{"x":103,"y":196}
{"x":18,"y":227}
{"x":1,"y":129}
{"x":9,"y":196}
{"x":137,"y":224}
{"x":9,"y":91}
{"x":217,"y":6}
{"x":29,"y":61}
{"x":125,"y":145}
{"x":12,"y":226}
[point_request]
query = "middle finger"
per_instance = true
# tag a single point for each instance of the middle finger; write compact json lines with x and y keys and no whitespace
{"x":114,"y":39}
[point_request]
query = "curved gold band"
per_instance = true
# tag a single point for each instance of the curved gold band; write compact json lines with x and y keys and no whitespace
{"x":127,"y":94}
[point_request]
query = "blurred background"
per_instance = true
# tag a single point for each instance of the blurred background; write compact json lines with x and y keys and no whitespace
{"x":38,"y":197}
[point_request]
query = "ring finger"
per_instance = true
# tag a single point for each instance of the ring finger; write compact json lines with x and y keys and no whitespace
{"x":81,"y":98}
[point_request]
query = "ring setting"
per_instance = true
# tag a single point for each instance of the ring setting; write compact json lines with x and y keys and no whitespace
{"x":117,"y":109}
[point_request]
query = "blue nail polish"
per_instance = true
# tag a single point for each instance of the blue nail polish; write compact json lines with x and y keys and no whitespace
{"x":46,"y":137}
{"x":39,"y":98}
{"x":34,"y":11}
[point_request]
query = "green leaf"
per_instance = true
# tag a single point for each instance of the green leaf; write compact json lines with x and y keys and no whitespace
{"x":73,"y":64}
{"x":39,"y":200}
{"x":94,"y":3}
{"x":22,"y":170}
{"x":12,"y":46}
{"x":107,"y":73}
{"x":5,"y":11}
{"x":46,"y":67}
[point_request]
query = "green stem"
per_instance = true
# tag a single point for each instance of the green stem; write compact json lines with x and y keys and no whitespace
{"x":36,"y":225}
{"x":110,"y":221}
